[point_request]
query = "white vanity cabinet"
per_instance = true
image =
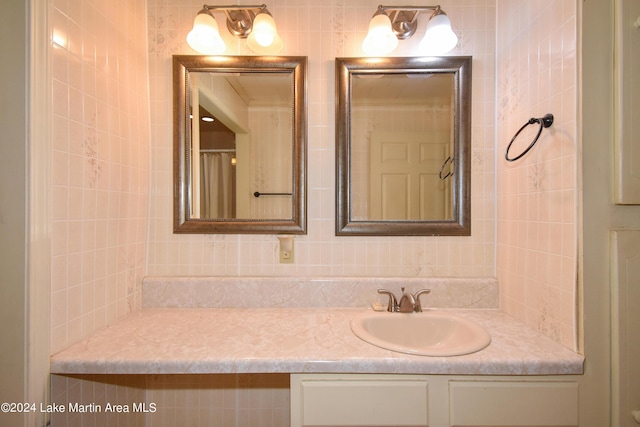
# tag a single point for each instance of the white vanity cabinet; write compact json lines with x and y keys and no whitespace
{"x":359,"y":400}
{"x":432,"y":400}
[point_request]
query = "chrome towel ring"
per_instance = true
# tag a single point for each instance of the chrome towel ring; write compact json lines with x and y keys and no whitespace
{"x":544,"y":122}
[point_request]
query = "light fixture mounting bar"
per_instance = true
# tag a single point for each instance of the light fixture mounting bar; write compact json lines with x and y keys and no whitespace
{"x":239,"y":18}
{"x":411,"y":8}
{"x":404,"y":20}
{"x":235,"y":7}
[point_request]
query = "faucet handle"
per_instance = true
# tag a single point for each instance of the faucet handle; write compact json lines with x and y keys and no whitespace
{"x":391,"y":307}
{"x":418,"y":306}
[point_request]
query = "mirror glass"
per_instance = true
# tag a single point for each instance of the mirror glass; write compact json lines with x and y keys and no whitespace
{"x":403,"y":143}
{"x":240,"y":143}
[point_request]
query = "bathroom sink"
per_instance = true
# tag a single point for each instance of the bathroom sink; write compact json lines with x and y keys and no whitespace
{"x":430,"y":333}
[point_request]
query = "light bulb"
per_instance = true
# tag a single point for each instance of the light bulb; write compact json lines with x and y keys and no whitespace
{"x":204,"y":37}
{"x":380,"y":39}
{"x":264,"y":29}
{"x":439,"y":38}
{"x":264,"y":36}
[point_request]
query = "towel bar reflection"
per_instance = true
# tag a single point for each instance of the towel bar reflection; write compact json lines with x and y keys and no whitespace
{"x":448,"y":174}
{"x":544,"y":122}
{"x":258,"y":194}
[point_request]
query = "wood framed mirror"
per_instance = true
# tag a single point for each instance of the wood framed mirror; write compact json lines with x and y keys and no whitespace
{"x":240,"y":140}
{"x":403,"y":141}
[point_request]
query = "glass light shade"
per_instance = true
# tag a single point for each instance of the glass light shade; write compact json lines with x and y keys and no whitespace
{"x":204,"y":37}
{"x":264,"y":36}
{"x":439,"y":38}
{"x":380,"y":39}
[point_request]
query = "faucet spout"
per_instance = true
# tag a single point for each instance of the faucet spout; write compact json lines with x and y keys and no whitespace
{"x":407,"y":302}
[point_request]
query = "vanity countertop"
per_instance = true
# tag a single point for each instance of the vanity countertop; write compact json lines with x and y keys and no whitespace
{"x":295,"y":340}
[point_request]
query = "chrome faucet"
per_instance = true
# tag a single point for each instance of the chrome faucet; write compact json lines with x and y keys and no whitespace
{"x":408,"y":303}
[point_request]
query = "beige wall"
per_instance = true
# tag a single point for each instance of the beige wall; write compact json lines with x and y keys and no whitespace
{"x":24,"y":212}
{"x":13,"y":207}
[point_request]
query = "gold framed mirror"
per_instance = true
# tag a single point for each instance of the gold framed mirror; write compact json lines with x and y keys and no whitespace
{"x":403,"y":141}
{"x":240,"y":137}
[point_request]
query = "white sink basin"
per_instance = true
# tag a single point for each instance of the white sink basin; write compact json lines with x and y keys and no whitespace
{"x":430,"y":333}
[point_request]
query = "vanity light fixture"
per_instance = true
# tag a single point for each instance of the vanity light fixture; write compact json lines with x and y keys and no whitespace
{"x":392,"y":23}
{"x":253,"y":23}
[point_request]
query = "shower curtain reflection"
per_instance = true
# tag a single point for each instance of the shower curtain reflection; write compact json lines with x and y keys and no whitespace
{"x":217,"y":190}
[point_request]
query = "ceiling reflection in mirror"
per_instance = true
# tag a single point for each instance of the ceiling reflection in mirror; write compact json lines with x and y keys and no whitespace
{"x":240,"y":149}
{"x":403,"y":144}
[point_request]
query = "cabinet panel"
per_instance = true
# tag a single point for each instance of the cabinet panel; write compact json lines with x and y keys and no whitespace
{"x":627,"y":152}
{"x":363,"y":402}
{"x":625,"y":316}
{"x":510,"y":403}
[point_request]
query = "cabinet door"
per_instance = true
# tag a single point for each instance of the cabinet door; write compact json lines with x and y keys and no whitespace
{"x":627,"y":152}
{"x":514,"y":404}
{"x":625,"y":319}
{"x":361,"y":401}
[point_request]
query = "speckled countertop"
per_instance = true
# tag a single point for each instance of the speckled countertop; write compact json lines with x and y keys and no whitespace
{"x":294,"y":340}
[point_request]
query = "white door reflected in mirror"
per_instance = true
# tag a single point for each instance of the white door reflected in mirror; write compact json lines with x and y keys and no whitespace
{"x":403,"y":146}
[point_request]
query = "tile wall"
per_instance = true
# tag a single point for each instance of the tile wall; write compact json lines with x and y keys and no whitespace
{"x":242,"y":400}
{"x":538,"y":194}
{"x":102,"y":144}
{"x":322,"y":31}
{"x":100,"y":163}
{"x":98,"y":400}
{"x":219,"y":400}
